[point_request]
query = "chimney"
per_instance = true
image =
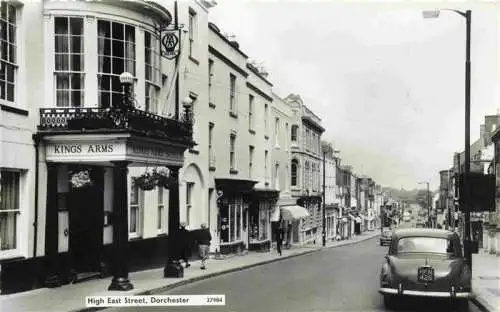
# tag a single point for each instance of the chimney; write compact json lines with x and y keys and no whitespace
{"x":482,"y":136}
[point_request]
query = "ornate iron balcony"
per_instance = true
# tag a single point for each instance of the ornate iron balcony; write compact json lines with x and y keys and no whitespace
{"x":131,"y":119}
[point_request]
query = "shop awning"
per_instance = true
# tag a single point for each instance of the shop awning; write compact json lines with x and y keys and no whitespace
{"x":293,"y":212}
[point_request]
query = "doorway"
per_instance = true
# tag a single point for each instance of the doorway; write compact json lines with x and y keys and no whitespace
{"x":86,"y":218}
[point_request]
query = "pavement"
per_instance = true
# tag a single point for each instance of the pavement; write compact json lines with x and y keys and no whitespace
{"x":72,"y":297}
{"x":486,"y":280}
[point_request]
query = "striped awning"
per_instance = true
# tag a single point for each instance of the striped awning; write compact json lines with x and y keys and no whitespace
{"x":293,"y":212}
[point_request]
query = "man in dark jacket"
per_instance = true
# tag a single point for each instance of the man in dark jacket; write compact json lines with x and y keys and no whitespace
{"x":185,"y":244}
{"x":203,"y":238}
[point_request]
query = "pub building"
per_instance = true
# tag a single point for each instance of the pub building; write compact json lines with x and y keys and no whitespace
{"x":107,"y":160}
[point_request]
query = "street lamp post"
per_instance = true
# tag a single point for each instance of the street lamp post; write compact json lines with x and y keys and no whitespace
{"x":324,"y":203}
{"x":465,"y":199}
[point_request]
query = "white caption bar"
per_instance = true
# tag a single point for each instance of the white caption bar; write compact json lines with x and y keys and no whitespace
{"x":137,"y":301}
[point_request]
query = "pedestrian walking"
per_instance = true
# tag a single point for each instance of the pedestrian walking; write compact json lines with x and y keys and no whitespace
{"x":279,"y":238}
{"x":204,"y":238}
{"x":185,"y":244}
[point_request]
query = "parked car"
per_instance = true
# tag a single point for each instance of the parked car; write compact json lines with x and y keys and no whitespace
{"x":425,"y":263}
{"x":385,"y":238}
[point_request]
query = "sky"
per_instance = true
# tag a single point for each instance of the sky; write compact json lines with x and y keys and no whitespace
{"x":388,"y":84}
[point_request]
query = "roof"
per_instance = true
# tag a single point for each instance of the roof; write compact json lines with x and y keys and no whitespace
{"x":423,"y":232}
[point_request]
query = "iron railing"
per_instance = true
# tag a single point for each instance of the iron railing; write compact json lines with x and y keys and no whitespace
{"x":81,"y":119}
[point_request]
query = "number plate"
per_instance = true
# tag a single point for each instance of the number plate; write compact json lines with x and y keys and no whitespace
{"x":425,"y":274}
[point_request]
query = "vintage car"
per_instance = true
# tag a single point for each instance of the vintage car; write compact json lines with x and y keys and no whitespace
{"x":385,"y":238}
{"x":425,"y":263}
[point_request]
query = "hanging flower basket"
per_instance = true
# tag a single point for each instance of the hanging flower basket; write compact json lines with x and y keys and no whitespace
{"x":81,"y":179}
{"x":163,"y":178}
{"x":146,"y":181}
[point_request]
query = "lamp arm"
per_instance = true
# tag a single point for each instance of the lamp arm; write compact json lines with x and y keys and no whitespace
{"x":464,"y":14}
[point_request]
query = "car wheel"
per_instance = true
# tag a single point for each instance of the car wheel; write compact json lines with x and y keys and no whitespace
{"x":389,"y":302}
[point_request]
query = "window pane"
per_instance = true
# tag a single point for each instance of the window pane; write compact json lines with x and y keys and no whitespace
{"x":12,"y":34}
{"x":77,"y":62}
{"x":61,"y":25}
{"x":118,"y":66}
{"x":104,"y":100}
{"x":62,"y":62}
{"x":10,"y":92}
{"x":118,"y":48}
{"x":116,"y":86}
{"x":62,"y":81}
{"x":133,"y":219}
{"x":9,"y":190}
{"x":104,"y":29}
{"x":104,"y":82}
{"x":4,"y":50}
{"x":117,"y":31}
{"x":61,"y":44}
{"x":3,"y":94}
{"x":3,"y":30}
{"x":8,"y":230}
{"x":12,"y":14}
{"x":130,"y":33}
{"x":77,"y":98}
{"x":104,"y":64}
{"x":76,"y":44}
{"x":76,"y":25}
{"x":10,"y":72}
{"x":77,"y":82}
{"x":62,"y":98}
{"x":12,"y":53}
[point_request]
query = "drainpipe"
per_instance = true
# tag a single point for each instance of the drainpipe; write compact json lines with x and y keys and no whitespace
{"x":36,"y":138}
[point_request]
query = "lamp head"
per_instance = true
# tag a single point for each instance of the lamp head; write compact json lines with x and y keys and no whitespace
{"x":430,"y":13}
{"x":187,"y":101}
{"x":126,"y":78}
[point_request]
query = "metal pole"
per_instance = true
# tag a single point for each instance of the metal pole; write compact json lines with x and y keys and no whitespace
{"x":428,"y":206}
{"x":178,"y":63}
{"x":466,"y":207}
{"x":324,"y":204}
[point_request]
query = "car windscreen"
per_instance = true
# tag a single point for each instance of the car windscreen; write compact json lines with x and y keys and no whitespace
{"x":425,"y":245}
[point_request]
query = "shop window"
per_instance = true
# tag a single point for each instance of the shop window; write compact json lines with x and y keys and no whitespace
{"x":8,"y":51}
{"x":259,"y":221}
{"x":135,"y":206}
{"x":152,"y":71}
{"x":9,"y":210}
{"x":69,"y":61}
{"x":116,"y":53}
{"x":230,"y":221}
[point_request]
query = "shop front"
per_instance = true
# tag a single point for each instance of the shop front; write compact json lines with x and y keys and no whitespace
{"x":84,"y":187}
{"x":310,"y":226}
{"x":260,"y":214}
{"x":234,"y":198}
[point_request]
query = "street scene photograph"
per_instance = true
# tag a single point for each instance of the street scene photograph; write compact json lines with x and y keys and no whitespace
{"x":249,"y":155}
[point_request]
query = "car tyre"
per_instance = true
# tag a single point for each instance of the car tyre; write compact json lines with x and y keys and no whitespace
{"x":389,"y":302}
